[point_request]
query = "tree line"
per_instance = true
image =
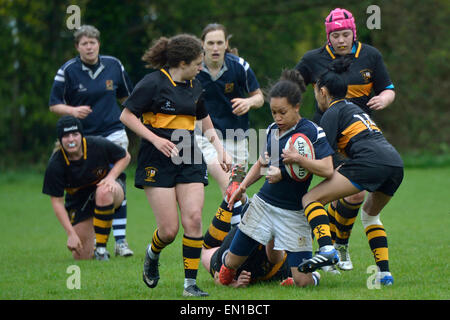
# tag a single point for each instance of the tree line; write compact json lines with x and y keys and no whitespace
{"x":270,"y":35}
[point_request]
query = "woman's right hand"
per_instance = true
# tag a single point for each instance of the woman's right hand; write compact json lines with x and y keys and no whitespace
{"x":167,"y":147}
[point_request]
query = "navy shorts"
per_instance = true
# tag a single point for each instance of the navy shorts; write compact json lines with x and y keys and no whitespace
{"x":372,"y":177}
{"x":154,"y":169}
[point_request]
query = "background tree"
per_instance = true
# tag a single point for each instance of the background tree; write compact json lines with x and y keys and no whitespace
{"x":270,"y":35}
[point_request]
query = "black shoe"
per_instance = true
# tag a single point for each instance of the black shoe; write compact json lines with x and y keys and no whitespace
{"x":320,"y":259}
{"x":194,"y":291}
{"x":151,"y":272}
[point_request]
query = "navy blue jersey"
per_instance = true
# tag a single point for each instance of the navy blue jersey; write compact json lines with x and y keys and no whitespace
{"x":351,"y":132}
{"x":79,"y":178}
{"x":76,"y":85}
{"x":366,"y":73}
{"x":288,"y":193}
{"x":235,"y":80}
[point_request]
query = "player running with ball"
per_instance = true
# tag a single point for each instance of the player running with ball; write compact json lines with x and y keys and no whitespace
{"x":276,"y":210}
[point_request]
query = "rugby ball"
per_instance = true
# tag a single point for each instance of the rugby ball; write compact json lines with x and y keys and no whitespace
{"x":304,"y":147}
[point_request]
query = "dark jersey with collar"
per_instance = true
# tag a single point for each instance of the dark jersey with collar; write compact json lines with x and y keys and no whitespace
{"x":166,"y":106}
{"x":288,"y":193}
{"x":79,"y":178}
{"x":367,"y":71}
{"x":76,"y":84}
{"x":235,"y":80}
{"x":351,"y":132}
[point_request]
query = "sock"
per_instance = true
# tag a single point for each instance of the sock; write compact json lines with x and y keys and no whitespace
{"x":345,"y":216}
{"x":192,"y":249}
{"x":236,"y":216}
{"x":102,"y":224}
{"x":120,"y":216}
{"x":377,"y":239}
{"x":318,"y":220}
{"x":219,"y":228}
{"x":189,"y":282}
{"x":156,"y":246}
{"x":378,"y":244}
{"x":331,"y":210}
{"x":120,"y":222}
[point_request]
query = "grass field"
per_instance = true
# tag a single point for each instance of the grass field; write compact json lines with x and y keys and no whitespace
{"x":34,"y":259}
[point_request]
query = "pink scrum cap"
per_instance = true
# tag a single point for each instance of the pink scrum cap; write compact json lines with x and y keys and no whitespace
{"x":339,"y":19}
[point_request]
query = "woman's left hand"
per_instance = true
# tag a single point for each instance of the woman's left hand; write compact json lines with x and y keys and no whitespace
{"x":273,"y":174}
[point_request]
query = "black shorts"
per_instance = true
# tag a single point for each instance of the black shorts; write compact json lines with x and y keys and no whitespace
{"x":372,"y":177}
{"x":154,"y":169}
{"x":81,"y":206}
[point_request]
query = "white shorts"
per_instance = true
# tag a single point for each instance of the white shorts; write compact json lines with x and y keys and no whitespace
{"x":120,"y":138}
{"x":263,"y":221}
{"x":238,"y":150}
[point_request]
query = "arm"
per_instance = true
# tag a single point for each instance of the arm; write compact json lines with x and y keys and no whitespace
{"x":211,"y":134}
{"x":381,"y":101}
{"x":321,"y":167}
{"x":115,"y":171}
{"x":243,"y":105}
{"x":80,"y":112}
{"x":73,"y":241}
{"x":253,"y":175}
{"x":274,"y":256}
{"x":241,"y":282}
{"x":167,"y":147}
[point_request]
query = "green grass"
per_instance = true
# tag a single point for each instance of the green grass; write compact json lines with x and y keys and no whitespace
{"x":34,"y":258}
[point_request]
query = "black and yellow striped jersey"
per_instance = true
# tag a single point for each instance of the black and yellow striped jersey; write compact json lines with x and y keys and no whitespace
{"x":366,"y":73}
{"x":165,"y":105}
{"x":80,"y":177}
{"x":353,"y":133}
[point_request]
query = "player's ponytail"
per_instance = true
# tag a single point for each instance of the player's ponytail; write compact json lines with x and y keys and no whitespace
{"x":335,"y":77}
{"x":170,"y":52}
{"x":290,"y":86}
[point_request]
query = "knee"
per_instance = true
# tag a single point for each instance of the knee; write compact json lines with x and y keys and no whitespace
{"x":168,"y":234}
{"x":103,"y":196}
{"x":85,"y":254}
{"x":356,"y":198}
{"x":193,"y":222}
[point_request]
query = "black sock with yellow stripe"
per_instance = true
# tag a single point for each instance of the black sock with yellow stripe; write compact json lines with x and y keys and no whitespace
{"x":345,"y":216}
{"x":192,"y":249}
{"x":318,"y":220}
{"x":378,"y":244}
{"x":331,"y":210}
{"x":219,"y":228}
{"x":103,"y":219}
{"x":157,"y":245}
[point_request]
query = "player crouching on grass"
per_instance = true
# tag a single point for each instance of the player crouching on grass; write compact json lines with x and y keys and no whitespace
{"x":372,"y":164}
{"x":276,"y":211}
{"x":89,"y":170}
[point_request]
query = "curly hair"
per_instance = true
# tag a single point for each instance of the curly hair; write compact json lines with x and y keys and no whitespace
{"x":171,"y":51}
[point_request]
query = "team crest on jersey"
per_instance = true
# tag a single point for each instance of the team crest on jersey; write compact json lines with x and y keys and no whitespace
{"x":229,"y":87}
{"x":109,"y":85}
{"x":99,"y":172}
{"x":150,"y":173}
{"x":366,"y":74}
{"x":81,"y":88}
{"x":302,"y":241}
